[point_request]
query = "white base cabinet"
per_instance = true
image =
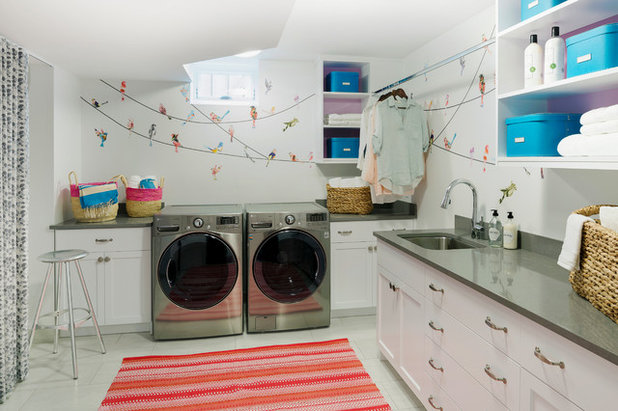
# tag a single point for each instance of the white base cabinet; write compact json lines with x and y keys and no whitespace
{"x":354,"y":262}
{"x":458,"y":349}
{"x":116,"y":271}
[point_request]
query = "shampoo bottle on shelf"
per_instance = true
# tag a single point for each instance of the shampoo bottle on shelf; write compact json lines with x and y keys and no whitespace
{"x":495,"y":230}
{"x":533,"y":63}
{"x":510,"y":232}
{"x":554,"y":57}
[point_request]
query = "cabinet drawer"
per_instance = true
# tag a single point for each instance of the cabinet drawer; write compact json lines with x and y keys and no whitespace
{"x":436,"y":397}
{"x":363,"y":230}
{"x":537,"y":396}
{"x":475,"y":355}
{"x":100,"y":240}
{"x":408,"y":269}
{"x":459,"y":385}
{"x":586,"y":379}
{"x":496,"y":324}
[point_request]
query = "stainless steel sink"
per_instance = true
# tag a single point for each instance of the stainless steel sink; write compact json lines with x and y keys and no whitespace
{"x":439,"y":241}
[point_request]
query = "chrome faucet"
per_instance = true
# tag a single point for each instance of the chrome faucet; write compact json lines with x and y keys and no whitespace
{"x":477,"y":226}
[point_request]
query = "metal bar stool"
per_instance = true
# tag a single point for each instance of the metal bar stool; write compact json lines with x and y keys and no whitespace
{"x":57,"y":260}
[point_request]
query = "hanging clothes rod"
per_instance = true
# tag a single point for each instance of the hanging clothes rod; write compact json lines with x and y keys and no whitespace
{"x":439,"y":64}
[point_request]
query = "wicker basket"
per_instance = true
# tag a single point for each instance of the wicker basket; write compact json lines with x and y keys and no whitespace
{"x":597,"y":278}
{"x":350,"y":200}
{"x":143,"y":202}
{"x":94,"y":214}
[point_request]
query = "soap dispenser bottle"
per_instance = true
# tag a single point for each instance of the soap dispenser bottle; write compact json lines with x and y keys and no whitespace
{"x":495,"y":230}
{"x":510,"y":232}
{"x":533,"y":63}
{"x":554,"y":57}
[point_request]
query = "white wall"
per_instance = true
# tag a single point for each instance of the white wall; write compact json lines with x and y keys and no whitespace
{"x":540,"y":205}
{"x":67,"y":142}
{"x":188,"y":177}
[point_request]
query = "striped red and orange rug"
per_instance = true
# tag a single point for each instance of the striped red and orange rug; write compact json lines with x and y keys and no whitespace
{"x":323,"y":375}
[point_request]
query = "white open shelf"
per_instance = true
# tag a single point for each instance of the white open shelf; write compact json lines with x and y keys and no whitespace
{"x":341,"y":95}
{"x":328,"y":126}
{"x":569,"y":16}
{"x":339,"y":161}
{"x":586,"y":83}
{"x":597,"y":163}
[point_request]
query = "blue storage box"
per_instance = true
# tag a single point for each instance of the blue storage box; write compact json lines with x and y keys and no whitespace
{"x":342,"y":147}
{"x":593,"y":50}
{"x":343,"y":81}
{"x":539,"y":134}
{"x":530,"y":8}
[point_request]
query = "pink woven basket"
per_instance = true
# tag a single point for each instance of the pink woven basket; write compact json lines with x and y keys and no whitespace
{"x":90,"y":215}
{"x":143,"y":202}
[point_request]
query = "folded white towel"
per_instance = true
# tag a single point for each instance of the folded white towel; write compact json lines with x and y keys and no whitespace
{"x":335,"y":182}
{"x":350,"y":123}
{"x":604,"y":127}
{"x":579,"y":145}
{"x":600,"y":114}
{"x":133,"y":181}
{"x":569,"y":257}
{"x":609,"y":217}
{"x":349,"y":116}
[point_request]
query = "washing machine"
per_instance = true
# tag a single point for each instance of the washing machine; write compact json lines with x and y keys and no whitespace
{"x":288,"y":273}
{"x":197,"y":260}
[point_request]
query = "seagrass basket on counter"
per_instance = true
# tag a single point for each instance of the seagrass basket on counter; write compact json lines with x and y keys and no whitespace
{"x":143,"y":202}
{"x":348,"y":200}
{"x":597,"y":278}
{"x":98,"y":214}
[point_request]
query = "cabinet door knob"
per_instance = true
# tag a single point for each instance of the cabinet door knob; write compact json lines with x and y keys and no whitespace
{"x":434,"y":366}
{"x":100,"y":259}
{"x":493,"y":326}
{"x":103,"y":240}
{"x":544,"y":359}
{"x":432,"y":287}
{"x":430,"y":399}
{"x":369,"y":248}
{"x":492,"y":375}
{"x":107,"y":259}
{"x":375,"y":248}
{"x":433,"y":327}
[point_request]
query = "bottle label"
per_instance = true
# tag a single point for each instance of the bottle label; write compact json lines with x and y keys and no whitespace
{"x":494,"y":234}
{"x":508,"y":237}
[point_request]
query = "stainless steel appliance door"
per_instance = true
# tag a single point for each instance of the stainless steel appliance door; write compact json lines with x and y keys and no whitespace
{"x":289,"y":266}
{"x":197,"y":271}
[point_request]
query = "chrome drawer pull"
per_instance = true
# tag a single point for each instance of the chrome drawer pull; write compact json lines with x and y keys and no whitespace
{"x":430,"y":399}
{"x":433,"y":327}
{"x":393,"y":287}
{"x":103,"y":240}
{"x":345,"y":232}
{"x":540,"y":356}
{"x":432,"y":287}
{"x":494,"y":326}
{"x":434,"y":367}
{"x":492,"y":375}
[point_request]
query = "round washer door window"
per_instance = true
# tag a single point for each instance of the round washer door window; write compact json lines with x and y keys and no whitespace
{"x":289,"y":266}
{"x":197,"y":271}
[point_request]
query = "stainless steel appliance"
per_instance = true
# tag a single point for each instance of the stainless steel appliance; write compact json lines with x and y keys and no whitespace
{"x":197,"y":260}
{"x":288,"y":273}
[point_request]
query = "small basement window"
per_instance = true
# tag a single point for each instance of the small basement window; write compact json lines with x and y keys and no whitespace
{"x":218,"y":82}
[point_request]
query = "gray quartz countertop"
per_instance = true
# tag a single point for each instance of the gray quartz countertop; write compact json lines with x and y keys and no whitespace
{"x":121,"y":221}
{"x":529,"y":283}
{"x":399,"y":210}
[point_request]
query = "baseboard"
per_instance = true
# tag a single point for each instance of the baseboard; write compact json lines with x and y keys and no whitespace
{"x":352,"y":312}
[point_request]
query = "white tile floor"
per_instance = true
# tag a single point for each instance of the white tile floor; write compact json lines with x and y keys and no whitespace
{"x":50,"y":385}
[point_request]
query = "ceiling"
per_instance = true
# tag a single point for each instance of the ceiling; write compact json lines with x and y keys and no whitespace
{"x":152,"y":39}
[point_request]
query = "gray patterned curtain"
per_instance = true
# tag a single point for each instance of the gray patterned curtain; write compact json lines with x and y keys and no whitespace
{"x":14,"y":167}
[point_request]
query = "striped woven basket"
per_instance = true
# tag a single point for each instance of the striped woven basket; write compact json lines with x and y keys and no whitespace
{"x":143,"y":202}
{"x":349,"y":200}
{"x":597,"y":278}
{"x":93,"y":214}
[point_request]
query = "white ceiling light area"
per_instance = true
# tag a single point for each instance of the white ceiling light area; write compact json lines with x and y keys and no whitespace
{"x":153,"y":39}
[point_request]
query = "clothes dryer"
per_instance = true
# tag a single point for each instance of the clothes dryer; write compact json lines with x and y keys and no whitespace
{"x":288,"y":272}
{"x":197,"y":260}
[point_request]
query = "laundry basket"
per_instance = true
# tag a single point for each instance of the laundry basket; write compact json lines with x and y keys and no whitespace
{"x":90,"y":214}
{"x":143,"y":202}
{"x":349,"y":200}
{"x":597,"y":278}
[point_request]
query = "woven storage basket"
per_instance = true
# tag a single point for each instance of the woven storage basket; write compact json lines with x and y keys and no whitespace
{"x":350,"y":200}
{"x":597,"y":278}
{"x":90,"y":215}
{"x":143,"y":202}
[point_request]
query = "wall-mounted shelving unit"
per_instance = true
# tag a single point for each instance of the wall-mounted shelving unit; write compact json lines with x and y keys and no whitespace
{"x":577,"y":94}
